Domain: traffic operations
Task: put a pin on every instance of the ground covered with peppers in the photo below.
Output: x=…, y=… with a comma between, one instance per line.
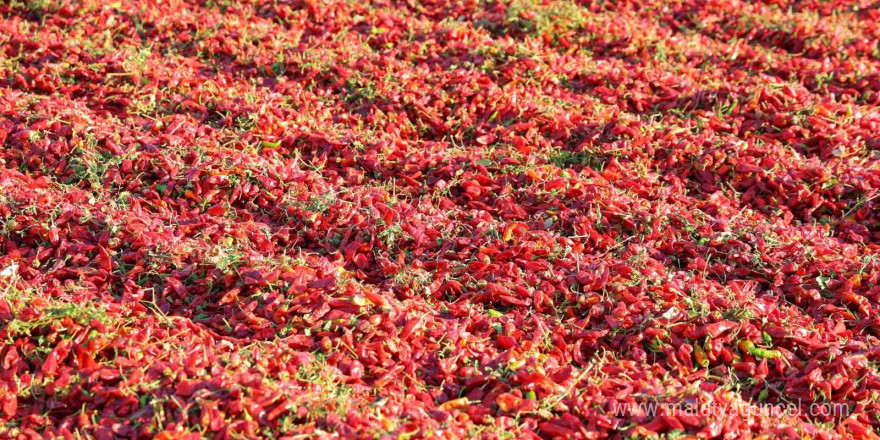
x=468, y=219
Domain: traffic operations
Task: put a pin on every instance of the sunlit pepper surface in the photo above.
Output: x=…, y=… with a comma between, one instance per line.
x=447, y=219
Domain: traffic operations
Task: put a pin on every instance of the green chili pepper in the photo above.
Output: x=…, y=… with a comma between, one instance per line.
x=749, y=347
x=767, y=338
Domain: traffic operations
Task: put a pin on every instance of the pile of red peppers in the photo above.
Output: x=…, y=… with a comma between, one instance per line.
x=555, y=219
